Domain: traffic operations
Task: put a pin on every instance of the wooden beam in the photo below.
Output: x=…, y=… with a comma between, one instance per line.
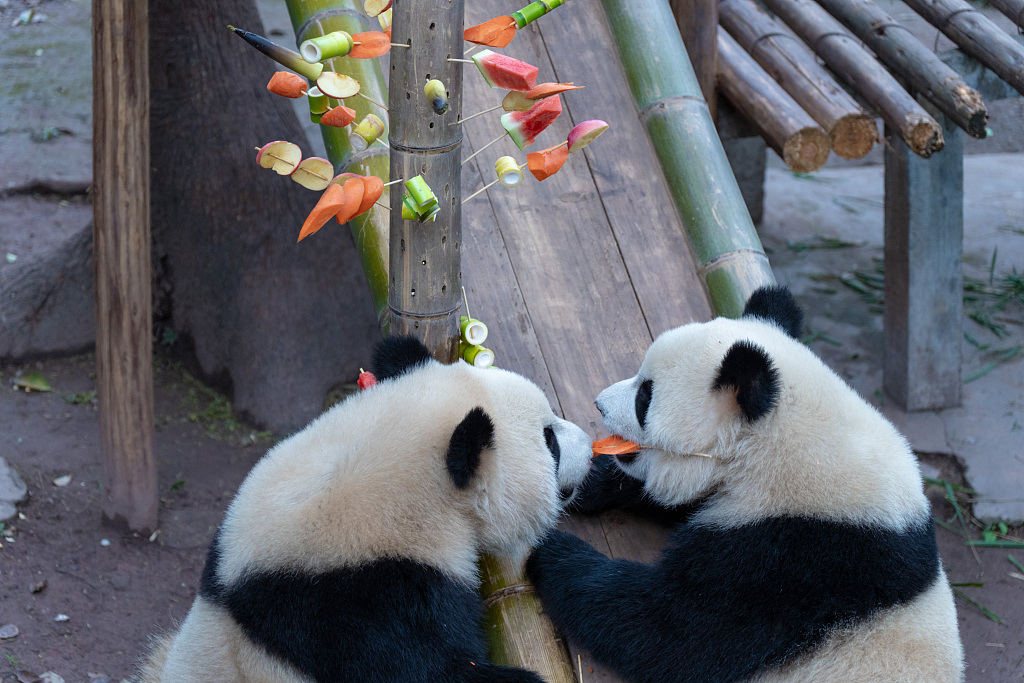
x=124, y=314
x=916, y=64
x=792, y=64
x=1013, y=9
x=977, y=36
x=787, y=128
x=697, y=20
x=846, y=58
x=976, y=75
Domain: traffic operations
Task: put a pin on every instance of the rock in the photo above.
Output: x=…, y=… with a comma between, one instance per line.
x=60, y=617
x=50, y=677
x=62, y=480
x=38, y=586
x=8, y=631
x=12, y=490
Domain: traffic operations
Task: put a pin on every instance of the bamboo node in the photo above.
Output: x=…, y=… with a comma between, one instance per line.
x=507, y=592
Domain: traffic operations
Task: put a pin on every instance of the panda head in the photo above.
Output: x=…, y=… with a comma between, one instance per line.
x=740, y=413
x=508, y=457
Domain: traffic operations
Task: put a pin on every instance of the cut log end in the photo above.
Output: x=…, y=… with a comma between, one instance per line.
x=923, y=135
x=854, y=135
x=975, y=112
x=807, y=150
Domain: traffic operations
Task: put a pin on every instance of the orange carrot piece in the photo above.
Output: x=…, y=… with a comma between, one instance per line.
x=497, y=32
x=353, y=198
x=371, y=44
x=287, y=84
x=339, y=117
x=331, y=201
x=545, y=163
x=373, y=188
x=615, y=445
x=548, y=89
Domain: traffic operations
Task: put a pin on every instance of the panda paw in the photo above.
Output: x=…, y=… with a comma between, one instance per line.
x=606, y=487
x=557, y=555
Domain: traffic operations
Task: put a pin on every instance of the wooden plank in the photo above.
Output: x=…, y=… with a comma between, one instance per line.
x=697, y=21
x=124, y=315
x=923, y=273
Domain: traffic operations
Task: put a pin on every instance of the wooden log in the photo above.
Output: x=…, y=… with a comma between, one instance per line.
x=792, y=64
x=787, y=128
x=1013, y=9
x=916, y=64
x=697, y=20
x=121, y=244
x=730, y=258
x=977, y=36
x=846, y=58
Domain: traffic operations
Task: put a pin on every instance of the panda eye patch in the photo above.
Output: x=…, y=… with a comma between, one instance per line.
x=552, y=441
x=643, y=401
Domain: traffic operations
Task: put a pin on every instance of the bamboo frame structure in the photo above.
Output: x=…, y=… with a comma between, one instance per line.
x=844, y=55
x=787, y=128
x=906, y=56
x=794, y=66
x=697, y=20
x=976, y=35
x=730, y=259
x=1011, y=9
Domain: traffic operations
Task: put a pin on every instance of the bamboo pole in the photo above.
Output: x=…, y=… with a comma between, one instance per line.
x=907, y=57
x=697, y=20
x=976, y=35
x=846, y=58
x=730, y=260
x=787, y=128
x=1012, y=9
x=792, y=64
x=124, y=312
x=314, y=18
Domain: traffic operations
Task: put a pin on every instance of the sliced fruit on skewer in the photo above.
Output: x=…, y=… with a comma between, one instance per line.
x=545, y=163
x=522, y=101
x=373, y=188
x=615, y=445
x=353, y=188
x=497, y=32
x=314, y=173
x=375, y=7
x=582, y=134
x=524, y=126
x=369, y=44
x=331, y=202
x=338, y=86
x=287, y=58
x=366, y=379
x=280, y=155
x=505, y=72
x=287, y=84
x=339, y=117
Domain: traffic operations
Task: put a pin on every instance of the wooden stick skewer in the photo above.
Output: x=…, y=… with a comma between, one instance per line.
x=479, y=113
x=394, y=181
x=490, y=184
x=370, y=99
x=465, y=61
x=483, y=148
x=305, y=170
x=466, y=301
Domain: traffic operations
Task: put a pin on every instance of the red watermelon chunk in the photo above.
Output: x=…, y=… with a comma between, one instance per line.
x=505, y=72
x=524, y=126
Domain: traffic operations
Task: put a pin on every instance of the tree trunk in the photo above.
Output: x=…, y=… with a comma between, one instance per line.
x=277, y=322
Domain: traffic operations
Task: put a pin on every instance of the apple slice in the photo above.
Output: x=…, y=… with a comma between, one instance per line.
x=339, y=117
x=522, y=101
x=369, y=45
x=545, y=163
x=517, y=101
x=375, y=7
x=338, y=86
x=314, y=173
x=331, y=201
x=584, y=133
x=287, y=84
x=280, y=155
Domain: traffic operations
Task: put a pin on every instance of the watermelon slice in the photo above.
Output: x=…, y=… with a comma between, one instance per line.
x=505, y=72
x=524, y=126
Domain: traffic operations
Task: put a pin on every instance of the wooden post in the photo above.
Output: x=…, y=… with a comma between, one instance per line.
x=1013, y=9
x=425, y=259
x=697, y=21
x=124, y=350
x=923, y=273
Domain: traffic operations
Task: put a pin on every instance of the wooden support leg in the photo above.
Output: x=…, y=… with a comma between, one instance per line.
x=923, y=272
x=124, y=351
x=698, y=26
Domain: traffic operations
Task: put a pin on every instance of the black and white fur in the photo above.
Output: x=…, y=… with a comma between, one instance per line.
x=350, y=552
x=810, y=555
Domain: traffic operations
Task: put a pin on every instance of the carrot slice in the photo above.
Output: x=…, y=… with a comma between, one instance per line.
x=373, y=188
x=370, y=44
x=287, y=84
x=615, y=445
x=353, y=198
x=331, y=201
x=339, y=117
x=545, y=163
x=548, y=89
x=497, y=32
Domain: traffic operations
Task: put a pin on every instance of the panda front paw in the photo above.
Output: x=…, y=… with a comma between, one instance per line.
x=606, y=488
x=557, y=558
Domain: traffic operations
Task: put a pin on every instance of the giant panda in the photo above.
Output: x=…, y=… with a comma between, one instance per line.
x=809, y=551
x=350, y=551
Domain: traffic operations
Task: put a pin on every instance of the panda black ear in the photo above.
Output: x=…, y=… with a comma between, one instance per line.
x=394, y=356
x=776, y=305
x=470, y=438
x=747, y=368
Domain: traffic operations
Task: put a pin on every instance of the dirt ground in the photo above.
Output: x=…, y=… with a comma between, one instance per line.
x=117, y=594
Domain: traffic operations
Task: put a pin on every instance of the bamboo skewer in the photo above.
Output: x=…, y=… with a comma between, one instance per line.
x=844, y=55
x=479, y=113
x=370, y=99
x=851, y=130
x=497, y=139
x=976, y=35
x=787, y=128
x=906, y=56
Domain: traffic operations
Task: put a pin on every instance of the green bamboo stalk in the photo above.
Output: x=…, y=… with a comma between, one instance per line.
x=730, y=259
x=314, y=18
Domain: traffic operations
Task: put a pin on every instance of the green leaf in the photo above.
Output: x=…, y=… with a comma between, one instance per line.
x=984, y=610
x=1014, y=562
x=33, y=381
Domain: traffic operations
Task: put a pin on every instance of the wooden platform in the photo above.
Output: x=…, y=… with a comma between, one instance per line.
x=575, y=276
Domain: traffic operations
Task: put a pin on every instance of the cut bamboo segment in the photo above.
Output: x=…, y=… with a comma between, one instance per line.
x=906, y=56
x=792, y=64
x=846, y=58
x=976, y=35
x=787, y=128
x=1013, y=9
